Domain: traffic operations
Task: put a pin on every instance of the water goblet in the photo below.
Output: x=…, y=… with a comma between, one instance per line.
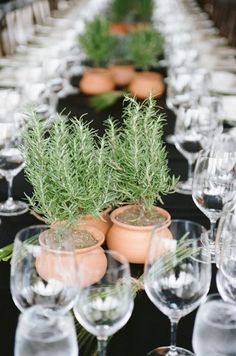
x=11, y=163
x=226, y=256
x=193, y=124
x=214, y=332
x=42, y=331
x=105, y=301
x=177, y=275
x=42, y=275
x=214, y=187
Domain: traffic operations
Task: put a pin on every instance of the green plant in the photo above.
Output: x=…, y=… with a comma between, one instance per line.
x=137, y=154
x=66, y=165
x=123, y=10
x=96, y=41
x=144, y=45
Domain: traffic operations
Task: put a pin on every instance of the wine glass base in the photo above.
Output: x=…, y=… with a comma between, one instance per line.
x=170, y=139
x=166, y=350
x=184, y=187
x=15, y=208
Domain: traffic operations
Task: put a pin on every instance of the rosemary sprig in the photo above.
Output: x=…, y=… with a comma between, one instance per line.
x=6, y=251
x=105, y=100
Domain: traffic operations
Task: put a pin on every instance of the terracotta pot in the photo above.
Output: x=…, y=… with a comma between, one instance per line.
x=133, y=241
x=96, y=81
x=145, y=83
x=50, y=258
x=102, y=223
x=122, y=74
x=121, y=28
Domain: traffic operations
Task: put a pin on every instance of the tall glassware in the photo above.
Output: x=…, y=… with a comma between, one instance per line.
x=177, y=275
x=40, y=275
x=105, y=301
x=193, y=124
x=214, y=187
x=214, y=331
x=226, y=256
x=44, y=332
x=11, y=163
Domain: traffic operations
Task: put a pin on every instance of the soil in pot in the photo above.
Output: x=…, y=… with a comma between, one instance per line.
x=138, y=217
x=63, y=240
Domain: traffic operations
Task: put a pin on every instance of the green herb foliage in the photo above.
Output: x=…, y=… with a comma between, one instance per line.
x=66, y=166
x=137, y=154
x=144, y=45
x=96, y=42
x=130, y=10
x=105, y=100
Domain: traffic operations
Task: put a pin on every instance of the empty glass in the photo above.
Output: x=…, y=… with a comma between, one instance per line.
x=214, y=187
x=105, y=301
x=11, y=163
x=214, y=331
x=226, y=256
x=43, y=332
x=177, y=275
x=42, y=275
x=193, y=124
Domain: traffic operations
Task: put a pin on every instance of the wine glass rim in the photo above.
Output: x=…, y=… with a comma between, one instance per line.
x=182, y=221
x=27, y=228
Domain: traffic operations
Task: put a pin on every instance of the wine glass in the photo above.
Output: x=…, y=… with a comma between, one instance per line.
x=226, y=256
x=214, y=332
x=42, y=275
x=177, y=275
x=44, y=331
x=11, y=163
x=105, y=301
x=214, y=187
x=193, y=124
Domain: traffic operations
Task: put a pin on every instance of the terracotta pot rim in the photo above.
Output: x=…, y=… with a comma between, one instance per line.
x=97, y=234
x=117, y=211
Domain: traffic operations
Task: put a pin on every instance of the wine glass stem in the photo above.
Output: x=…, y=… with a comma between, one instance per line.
x=190, y=170
x=212, y=231
x=9, y=191
x=102, y=346
x=173, y=332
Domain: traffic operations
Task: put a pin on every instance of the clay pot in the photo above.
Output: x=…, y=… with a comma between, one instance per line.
x=120, y=28
x=96, y=81
x=133, y=241
x=122, y=74
x=102, y=223
x=145, y=83
x=50, y=258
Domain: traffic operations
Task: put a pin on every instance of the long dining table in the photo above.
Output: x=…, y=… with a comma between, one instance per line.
x=147, y=327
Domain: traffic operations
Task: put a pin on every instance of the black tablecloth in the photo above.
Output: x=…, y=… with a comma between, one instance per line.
x=147, y=327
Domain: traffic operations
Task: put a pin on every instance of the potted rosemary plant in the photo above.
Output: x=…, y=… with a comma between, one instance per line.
x=141, y=176
x=66, y=166
x=144, y=45
x=97, y=43
x=126, y=15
